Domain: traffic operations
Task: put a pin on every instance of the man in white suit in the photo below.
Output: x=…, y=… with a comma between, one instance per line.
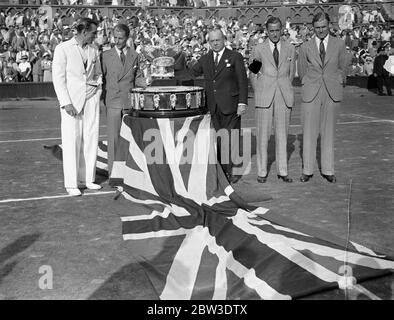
x=77, y=82
x=274, y=97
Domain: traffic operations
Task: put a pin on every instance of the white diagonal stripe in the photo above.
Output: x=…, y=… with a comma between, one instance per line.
x=155, y=234
x=199, y=167
x=169, y=148
x=183, y=272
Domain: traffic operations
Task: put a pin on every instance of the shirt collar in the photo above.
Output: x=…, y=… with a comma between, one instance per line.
x=272, y=45
x=325, y=41
x=124, y=50
x=221, y=52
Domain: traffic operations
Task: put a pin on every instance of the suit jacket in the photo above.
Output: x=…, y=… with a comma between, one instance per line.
x=228, y=85
x=271, y=79
x=314, y=74
x=378, y=64
x=118, y=79
x=69, y=75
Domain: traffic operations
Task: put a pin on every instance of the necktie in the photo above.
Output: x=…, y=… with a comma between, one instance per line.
x=216, y=59
x=322, y=51
x=122, y=57
x=276, y=54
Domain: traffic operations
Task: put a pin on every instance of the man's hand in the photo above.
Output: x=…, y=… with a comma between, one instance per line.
x=375, y=75
x=69, y=108
x=241, y=109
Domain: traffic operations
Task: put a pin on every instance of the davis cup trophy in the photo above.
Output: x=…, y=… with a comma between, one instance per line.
x=165, y=101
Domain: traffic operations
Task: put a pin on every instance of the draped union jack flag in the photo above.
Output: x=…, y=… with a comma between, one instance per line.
x=197, y=239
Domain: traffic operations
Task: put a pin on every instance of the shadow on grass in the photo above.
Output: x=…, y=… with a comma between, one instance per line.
x=128, y=283
x=13, y=249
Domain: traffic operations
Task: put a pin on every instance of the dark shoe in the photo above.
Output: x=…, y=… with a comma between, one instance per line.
x=285, y=178
x=381, y=94
x=262, y=179
x=330, y=178
x=305, y=177
x=234, y=179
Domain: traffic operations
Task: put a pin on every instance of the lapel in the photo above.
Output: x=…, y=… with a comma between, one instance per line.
x=114, y=62
x=77, y=53
x=315, y=50
x=283, y=52
x=129, y=59
x=222, y=63
x=268, y=53
x=90, y=57
x=211, y=63
x=330, y=49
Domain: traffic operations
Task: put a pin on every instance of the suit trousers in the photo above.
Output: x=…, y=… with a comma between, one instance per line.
x=382, y=80
x=114, y=122
x=79, y=143
x=319, y=115
x=278, y=113
x=228, y=130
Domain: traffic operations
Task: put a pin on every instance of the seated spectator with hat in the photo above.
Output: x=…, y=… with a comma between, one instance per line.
x=24, y=69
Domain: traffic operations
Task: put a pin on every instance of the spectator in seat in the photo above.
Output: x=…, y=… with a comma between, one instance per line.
x=37, y=71
x=368, y=66
x=46, y=66
x=24, y=69
x=355, y=69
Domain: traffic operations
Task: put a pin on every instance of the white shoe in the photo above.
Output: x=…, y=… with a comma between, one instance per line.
x=93, y=186
x=74, y=192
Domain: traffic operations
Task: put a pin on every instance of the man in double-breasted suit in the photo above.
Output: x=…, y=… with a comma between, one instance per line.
x=274, y=97
x=226, y=89
x=121, y=72
x=77, y=81
x=322, y=65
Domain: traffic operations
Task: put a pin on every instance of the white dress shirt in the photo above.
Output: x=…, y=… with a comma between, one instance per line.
x=220, y=54
x=325, y=42
x=272, y=46
x=124, y=51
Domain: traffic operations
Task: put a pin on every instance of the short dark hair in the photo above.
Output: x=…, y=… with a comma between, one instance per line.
x=123, y=27
x=84, y=24
x=273, y=20
x=320, y=16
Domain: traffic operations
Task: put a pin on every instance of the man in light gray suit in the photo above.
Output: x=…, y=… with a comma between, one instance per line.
x=322, y=65
x=121, y=72
x=274, y=97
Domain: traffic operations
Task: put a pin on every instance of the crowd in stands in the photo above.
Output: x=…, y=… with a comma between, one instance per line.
x=28, y=40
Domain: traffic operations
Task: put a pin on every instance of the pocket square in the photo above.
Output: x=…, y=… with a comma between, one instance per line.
x=255, y=66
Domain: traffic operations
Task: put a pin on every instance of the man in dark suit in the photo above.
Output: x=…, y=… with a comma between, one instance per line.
x=322, y=66
x=121, y=71
x=226, y=88
x=380, y=73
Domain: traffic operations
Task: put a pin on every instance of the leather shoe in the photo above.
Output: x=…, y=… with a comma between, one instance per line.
x=74, y=192
x=261, y=179
x=234, y=179
x=285, y=178
x=91, y=186
x=305, y=177
x=330, y=178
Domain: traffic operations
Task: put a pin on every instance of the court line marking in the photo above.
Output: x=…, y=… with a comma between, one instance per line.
x=33, y=130
x=54, y=197
x=339, y=123
x=254, y=127
x=39, y=139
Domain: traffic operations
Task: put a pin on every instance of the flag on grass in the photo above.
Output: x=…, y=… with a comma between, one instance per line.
x=197, y=239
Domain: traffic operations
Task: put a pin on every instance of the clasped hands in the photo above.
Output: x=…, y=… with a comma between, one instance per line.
x=69, y=108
